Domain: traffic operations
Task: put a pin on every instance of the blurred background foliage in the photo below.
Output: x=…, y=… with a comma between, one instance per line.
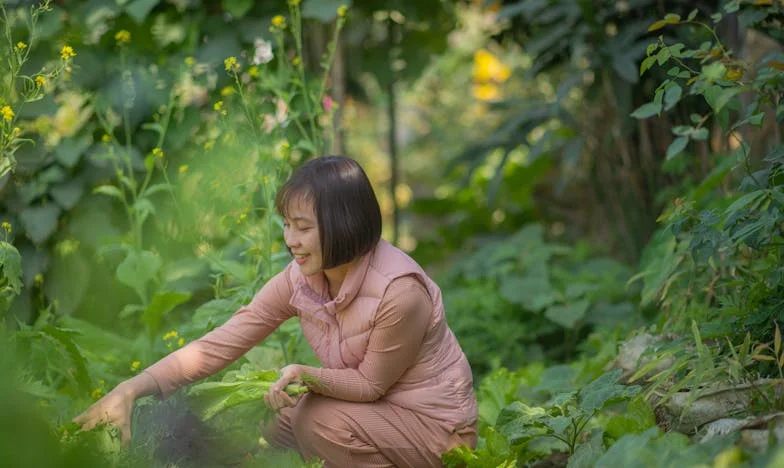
x=594, y=185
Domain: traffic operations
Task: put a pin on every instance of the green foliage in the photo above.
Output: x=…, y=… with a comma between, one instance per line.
x=536, y=296
x=239, y=387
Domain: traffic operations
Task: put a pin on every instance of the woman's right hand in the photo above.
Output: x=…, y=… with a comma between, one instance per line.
x=115, y=408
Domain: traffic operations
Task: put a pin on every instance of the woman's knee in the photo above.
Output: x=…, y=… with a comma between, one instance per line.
x=318, y=419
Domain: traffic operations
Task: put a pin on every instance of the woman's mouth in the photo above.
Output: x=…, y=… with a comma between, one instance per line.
x=300, y=259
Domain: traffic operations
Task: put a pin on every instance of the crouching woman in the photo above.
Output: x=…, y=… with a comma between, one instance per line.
x=394, y=388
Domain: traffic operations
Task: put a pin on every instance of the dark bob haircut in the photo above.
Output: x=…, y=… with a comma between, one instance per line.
x=349, y=219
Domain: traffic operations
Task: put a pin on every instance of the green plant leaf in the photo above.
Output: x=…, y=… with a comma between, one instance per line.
x=586, y=455
x=161, y=304
x=139, y=9
x=677, y=146
x=67, y=194
x=237, y=8
x=715, y=71
x=647, y=110
x=567, y=315
x=671, y=96
x=40, y=221
x=10, y=267
x=137, y=269
x=109, y=190
x=605, y=390
x=637, y=418
x=322, y=10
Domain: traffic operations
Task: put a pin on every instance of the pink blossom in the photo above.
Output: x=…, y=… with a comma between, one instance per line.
x=327, y=102
x=263, y=52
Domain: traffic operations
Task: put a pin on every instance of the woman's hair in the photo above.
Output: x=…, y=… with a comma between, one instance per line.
x=349, y=219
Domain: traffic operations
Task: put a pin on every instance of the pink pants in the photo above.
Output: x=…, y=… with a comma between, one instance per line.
x=346, y=434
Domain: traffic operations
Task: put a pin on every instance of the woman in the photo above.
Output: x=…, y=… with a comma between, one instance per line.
x=394, y=388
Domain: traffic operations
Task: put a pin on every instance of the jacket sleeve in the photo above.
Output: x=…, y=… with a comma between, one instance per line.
x=394, y=344
x=222, y=346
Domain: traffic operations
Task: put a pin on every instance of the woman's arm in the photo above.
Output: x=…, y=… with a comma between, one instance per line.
x=401, y=323
x=227, y=343
x=205, y=356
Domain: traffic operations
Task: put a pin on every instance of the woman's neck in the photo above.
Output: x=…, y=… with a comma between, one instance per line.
x=335, y=277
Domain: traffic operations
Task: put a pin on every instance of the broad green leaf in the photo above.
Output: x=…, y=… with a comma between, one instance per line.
x=743, y=201
x=637, y=418
x=605, y=389
x=692, y=15
x=70, y=150
x=161, y=304
x=700, y=134
x=137, y=269
x=715, y=71
x=80, y=372
x=672, y=18
x=139, y=9
x=322, y=10
x=567, y=315
x=10, y=268
x=586, y=455
x=558, y=424
x=628, y=450
x=677, y=146
x=663, y=56
x=647, y=110
x=237, y=8
x=533, y=292
x=671, y=96
x=68, y=194
x=646, y=63
x=657, y=25
x=40, y=221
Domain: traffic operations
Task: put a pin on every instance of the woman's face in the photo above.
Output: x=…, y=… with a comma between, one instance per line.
x=301, y=233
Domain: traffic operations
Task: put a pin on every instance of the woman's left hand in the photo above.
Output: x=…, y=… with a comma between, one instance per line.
x=277, y=398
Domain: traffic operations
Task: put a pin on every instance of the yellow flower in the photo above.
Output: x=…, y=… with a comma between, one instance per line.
x=170, y=335
x=135, y=366
x=296, y=60
x=39, y=279
x=734, y=74
x=485, y=92
x=181, y=342
x=122, y=37
x=7, y=226
x=106, y=138
x=294, y=2
x=157, y=152
x=227, y=90
x=40, y=81
x=279, y=21
x=96, y=394
x=190, y=61
x=20, y=46
x=342, y=10
x=218, y=105
x=8, y=113
x=183, y=168
x=231, y=64
x=67, y=52
x=488, y=68
x=253, y=71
